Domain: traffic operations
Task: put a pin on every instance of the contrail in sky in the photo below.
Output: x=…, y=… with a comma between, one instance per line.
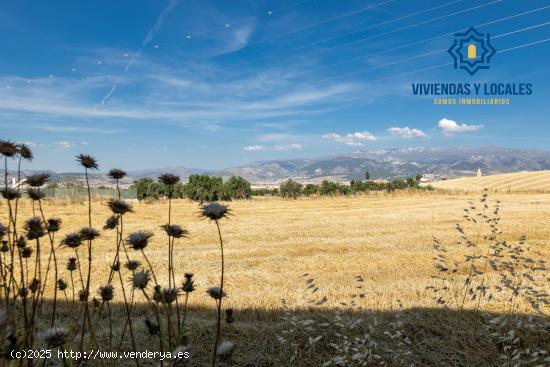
x=148, y=38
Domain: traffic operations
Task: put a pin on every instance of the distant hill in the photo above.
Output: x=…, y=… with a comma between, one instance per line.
x=384, y=163
x=402, y=162
x=512, y=182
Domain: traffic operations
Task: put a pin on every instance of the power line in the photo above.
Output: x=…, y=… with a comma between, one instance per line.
x=524, y=45
x=451, y=63
x=430, y=53
x=318, y=23
x=351, y=32
x=362, y=57
x=521, y=30
x=408, y=27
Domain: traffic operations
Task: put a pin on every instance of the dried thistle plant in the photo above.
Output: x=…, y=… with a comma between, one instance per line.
x=215, y=212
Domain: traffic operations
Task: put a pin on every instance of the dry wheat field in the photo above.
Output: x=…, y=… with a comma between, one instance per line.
x=506, y=182
x=295, y=269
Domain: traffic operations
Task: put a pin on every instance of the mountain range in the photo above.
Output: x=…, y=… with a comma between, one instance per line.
x=439, y=163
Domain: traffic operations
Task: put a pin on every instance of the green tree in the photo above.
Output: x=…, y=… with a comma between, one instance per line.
x=310, y=189
x=333, y=188
x=358, y=186
x=203, y=188
x=236, y=187
x=397, y=184
x=290, y=189
x=418, y=177
x=142, y=187
x=367, y=175
x=412, y=183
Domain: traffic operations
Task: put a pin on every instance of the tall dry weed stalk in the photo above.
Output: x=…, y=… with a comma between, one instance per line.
x=495, y=274
x=26, y=284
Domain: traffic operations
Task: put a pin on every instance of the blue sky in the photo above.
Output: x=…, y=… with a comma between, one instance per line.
x=212, y=84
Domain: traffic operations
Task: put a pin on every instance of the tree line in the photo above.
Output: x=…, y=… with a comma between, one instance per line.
x=198, y=188
x=210, y=188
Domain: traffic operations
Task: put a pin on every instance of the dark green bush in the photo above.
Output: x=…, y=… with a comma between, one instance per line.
x=236, y=187
x=290, y=189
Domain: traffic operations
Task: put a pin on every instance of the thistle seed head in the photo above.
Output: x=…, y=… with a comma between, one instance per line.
x=61, y=284
x=72, y=240
x=215, y=293
x=117, y=174
x=35, y=194
x=119, y=206
x=21, y=242
x=37, y=180
x=214, y=211
x=34, y=285
x=169, y=295
x=10, y=193
x=87, y=161
x=7, y=148
x=71, y=264
x=115, y=266
x=173, y=230
x=132, y=265
x=189, y=284
x=88, y=233
x=56, y=337
x=106, y=292
x=26, y=252
x=83, y=295
x=34, y=228
x=139, y=240
x=225, y=350
x=25, y=152
x=157, y=294
x=141, y=279
x=111, y=222
x=54, y=224
x=23, y=292
x=169, y=179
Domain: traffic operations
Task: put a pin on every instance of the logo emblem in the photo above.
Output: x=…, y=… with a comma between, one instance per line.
x=472, y=51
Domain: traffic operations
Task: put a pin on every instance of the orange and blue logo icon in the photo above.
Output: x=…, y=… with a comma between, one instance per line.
x=472, y=51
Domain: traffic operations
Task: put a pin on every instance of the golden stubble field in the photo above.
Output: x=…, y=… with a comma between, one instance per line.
x=538, y=181
x=270, y=243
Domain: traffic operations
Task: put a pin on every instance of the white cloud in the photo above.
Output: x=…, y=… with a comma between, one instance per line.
x=65, y=97
x=450, y=127
x=275, y=148
x=241, y=37
x=63, y=144
x=407, y=132
x=288, y=147
x=253, y=148
x=353, y=139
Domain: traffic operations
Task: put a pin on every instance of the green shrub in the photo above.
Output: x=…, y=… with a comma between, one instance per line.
x=330, y=188
x=310, y=189
x=203, y=188
x=290, y=189
x=236, y=187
